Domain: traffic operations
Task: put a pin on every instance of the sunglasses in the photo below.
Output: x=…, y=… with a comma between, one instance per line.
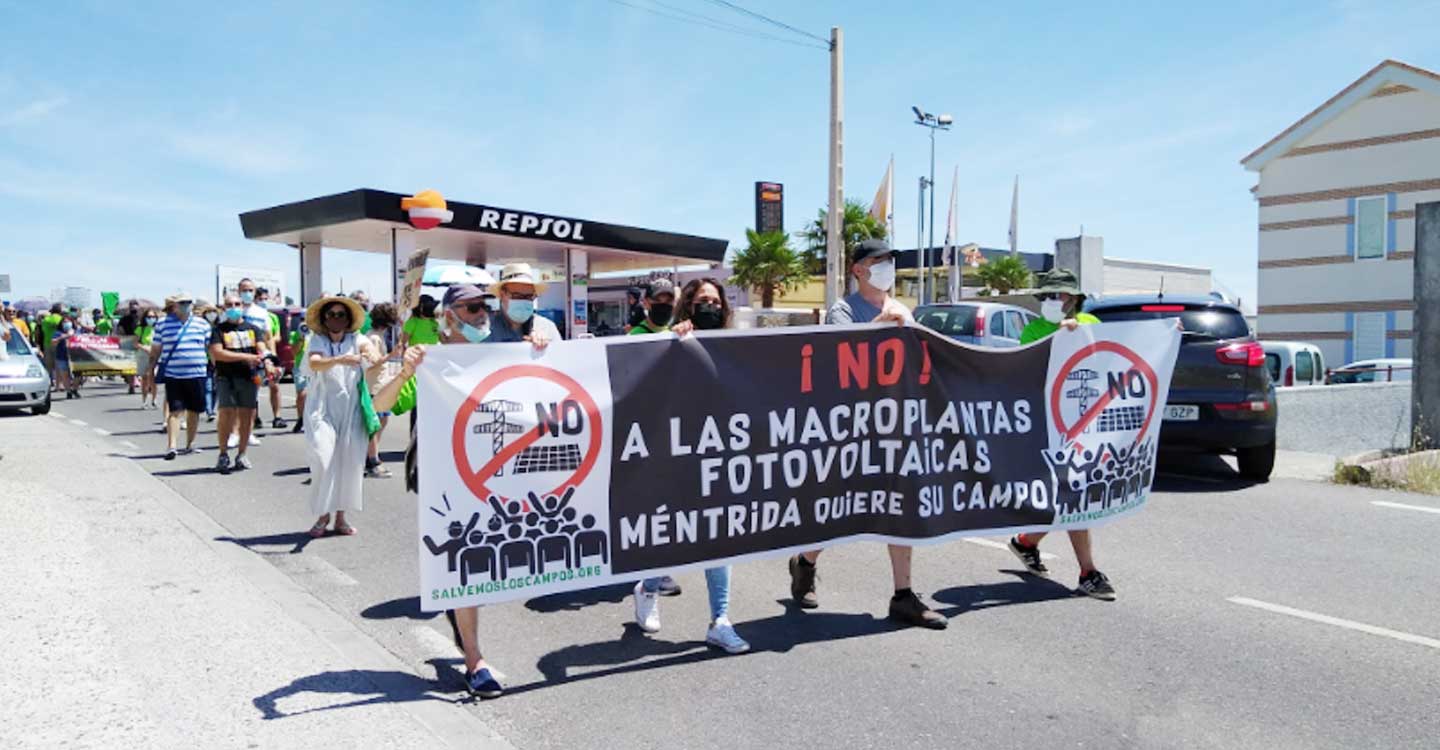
x=473, y=308
x=235, y=304
x=1048, y=296
x=522, y=296
x=337, y=315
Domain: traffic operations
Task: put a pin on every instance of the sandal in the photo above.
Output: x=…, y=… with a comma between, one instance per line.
x=318, y=530
x=345, y=530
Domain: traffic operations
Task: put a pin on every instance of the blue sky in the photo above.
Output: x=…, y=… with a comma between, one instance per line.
x=131, y=135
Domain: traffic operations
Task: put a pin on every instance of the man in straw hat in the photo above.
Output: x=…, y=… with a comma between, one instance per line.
x=517, y=321
x=179, y=357
x=1061, y=303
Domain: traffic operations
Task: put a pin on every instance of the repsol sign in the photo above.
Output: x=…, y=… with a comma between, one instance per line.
x=531, y=225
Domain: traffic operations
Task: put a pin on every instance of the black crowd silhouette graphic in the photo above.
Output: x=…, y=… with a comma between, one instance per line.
x=1095, y=480
x=519, y=541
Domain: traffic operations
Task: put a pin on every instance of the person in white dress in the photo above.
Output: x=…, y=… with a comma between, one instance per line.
x=336, y=357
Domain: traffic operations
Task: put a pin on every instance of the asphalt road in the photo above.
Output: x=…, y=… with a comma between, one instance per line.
x=1286, y=615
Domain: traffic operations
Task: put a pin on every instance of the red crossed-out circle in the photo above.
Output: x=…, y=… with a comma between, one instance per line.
x=1069, y=432
x=476, y=480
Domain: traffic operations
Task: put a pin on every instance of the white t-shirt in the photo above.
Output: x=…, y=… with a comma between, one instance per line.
x=259, y=317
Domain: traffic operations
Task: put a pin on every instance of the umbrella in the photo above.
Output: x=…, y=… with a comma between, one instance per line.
x=450, y=275
x=33, y=305
x=144, y=303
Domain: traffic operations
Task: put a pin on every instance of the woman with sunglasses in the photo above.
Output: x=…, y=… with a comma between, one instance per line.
x=702, y=307
x=336, y=359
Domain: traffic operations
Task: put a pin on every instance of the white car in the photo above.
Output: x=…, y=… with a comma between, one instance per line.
x=1294, y=363
x=1391, y=370
x=975, y=322
x=24, y=381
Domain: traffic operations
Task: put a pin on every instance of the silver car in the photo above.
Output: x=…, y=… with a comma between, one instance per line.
x=24, y=381
x=978, y=323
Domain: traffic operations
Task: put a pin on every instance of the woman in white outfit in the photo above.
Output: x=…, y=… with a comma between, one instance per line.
x=336, y=357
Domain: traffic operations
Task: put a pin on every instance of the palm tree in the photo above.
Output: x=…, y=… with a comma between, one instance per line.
x=857, y=227
x=1005, y=274
x=769, y=264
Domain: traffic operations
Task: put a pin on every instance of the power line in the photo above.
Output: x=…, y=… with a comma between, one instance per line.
x=710, y=23
x=771, y=21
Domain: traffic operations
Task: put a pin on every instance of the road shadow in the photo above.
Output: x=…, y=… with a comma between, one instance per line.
x=381, y=686
x=1180, y=471
x=395, y=609
x=297, y=539
x=571, y=601
x=186, y=472
x=291, y=472
x=1026, y=589
x=392, y=457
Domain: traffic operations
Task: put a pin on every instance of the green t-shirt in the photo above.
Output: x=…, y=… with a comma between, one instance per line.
x=146, y=333
x=48, y=326
x=365, y=326
x=1039, y=328
x=406, y=400
x=103, y=327
x=422, y=331
x=645, y=326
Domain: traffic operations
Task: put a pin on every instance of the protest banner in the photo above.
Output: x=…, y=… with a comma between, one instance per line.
x=414, y=279
x=607, y=460
x=102, y=355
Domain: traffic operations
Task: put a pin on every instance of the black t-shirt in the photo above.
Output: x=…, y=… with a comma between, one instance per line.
x=239, y=337
x=127, y=324
x=637, y=315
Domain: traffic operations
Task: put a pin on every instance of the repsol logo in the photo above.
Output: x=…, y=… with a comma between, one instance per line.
x=529, y=224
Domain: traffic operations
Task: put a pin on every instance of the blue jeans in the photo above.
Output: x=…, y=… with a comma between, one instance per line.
x=717, y=581
x=210, y=395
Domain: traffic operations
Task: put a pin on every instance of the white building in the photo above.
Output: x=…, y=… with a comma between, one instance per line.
x=1337, y=195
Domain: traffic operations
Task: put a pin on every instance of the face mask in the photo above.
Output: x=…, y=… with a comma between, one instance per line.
x=212, y=316
x=150, y=321
x=882, y=275
x=708, y=316
x=1052, y=310
x=66, y=327
x=264, y=304
x=247, y=297
x=520, y=310
x=184, y=309
x=234, y=314
x=660, y=313
x=473, y=334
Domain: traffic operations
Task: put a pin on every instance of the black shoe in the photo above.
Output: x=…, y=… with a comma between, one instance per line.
x=483, y=684
x=222, y=464
x=299, y=426
x=909, y=609
x=669, y=587
x=1096, y=585
x=259, y=424
x=279, y=424
x=1030, y=556
x=802, y=583
x=170, y=455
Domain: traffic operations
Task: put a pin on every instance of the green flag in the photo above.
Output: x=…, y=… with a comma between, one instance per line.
x=109, y=301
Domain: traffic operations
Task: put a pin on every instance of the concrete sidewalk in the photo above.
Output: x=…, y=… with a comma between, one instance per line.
x=126, y=624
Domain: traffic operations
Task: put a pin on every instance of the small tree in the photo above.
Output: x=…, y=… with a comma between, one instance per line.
x=769, y=264
x=1005, y=274
x=857, y=226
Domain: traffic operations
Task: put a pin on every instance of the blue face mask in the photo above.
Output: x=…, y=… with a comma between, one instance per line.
x=66, y=327
x=247, y=297
x=234, y=314
x=520, y=310
x=475, y=335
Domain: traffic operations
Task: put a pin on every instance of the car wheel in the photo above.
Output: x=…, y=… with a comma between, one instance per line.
x=1257, y=463
x=42, y=409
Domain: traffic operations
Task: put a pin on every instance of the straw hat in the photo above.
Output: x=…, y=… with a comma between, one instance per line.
x=312, y=313
x=516, y=273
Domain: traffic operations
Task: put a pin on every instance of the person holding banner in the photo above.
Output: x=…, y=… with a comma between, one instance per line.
x=466, y=320
x=1060, y=307
x=702, y=307
x=872, y=263
x=517, y=321
x=335, y=427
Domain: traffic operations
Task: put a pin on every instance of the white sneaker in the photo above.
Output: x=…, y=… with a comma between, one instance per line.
x=254, y=439
x=233, y=442
x=647, y=609
x=722, y=635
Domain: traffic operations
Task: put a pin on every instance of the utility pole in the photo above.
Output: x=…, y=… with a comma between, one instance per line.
x=934, y=123
x=835, y=218
x=920, y=240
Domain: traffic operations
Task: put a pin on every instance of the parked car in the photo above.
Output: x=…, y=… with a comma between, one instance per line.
x=1294, y=363
x=24, y=381
x=979, y=323
x=1391, y=370
x=1221, y=396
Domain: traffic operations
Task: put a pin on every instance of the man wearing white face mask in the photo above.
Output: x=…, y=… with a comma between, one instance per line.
x=1060, y=307
x=517, y=321
x=873, y=265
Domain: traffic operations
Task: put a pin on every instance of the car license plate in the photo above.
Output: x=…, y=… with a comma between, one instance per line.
x=1179, y=413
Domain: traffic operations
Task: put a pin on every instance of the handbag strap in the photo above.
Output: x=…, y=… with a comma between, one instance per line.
x=178, y=338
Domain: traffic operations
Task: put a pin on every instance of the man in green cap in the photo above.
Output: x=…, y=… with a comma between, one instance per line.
x=1060, y=307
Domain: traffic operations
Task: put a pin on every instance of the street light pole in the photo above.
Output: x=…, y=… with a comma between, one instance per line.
x=835, y=260
x=920, y=232
x=934, y=122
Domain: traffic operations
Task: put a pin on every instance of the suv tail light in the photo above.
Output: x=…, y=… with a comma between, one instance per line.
x=979, y=323
x=1250, y=354
x=1289, y=376
x=1243, y=406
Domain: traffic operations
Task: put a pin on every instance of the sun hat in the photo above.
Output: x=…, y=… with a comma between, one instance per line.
x=312, y=313
x=516, y=273
x=1057, y=281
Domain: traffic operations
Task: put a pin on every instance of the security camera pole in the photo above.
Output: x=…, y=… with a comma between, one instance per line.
x=935, y=123
x=835, y=218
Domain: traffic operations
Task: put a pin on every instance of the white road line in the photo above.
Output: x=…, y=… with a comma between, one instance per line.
x=101, y=431
x=1403, y=506
x=78, y=422
x=1336, y=621
x=130, y=445
x=1002, y=546
x=58, y=415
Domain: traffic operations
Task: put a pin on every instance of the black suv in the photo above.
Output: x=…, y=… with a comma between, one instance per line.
x=1221, y=396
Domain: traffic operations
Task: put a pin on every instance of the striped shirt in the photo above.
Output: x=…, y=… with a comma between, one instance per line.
x=259, y=317
x=184, y=358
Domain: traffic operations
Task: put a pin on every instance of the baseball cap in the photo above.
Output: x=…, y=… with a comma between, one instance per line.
x=462, y=293
x=870, y=249
x=659, y=287
x=184, y=298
